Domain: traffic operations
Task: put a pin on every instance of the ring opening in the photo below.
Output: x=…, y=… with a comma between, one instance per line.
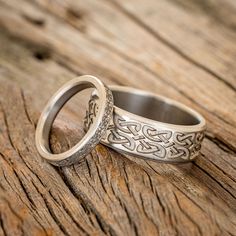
x=59, y=105
x=152, y=107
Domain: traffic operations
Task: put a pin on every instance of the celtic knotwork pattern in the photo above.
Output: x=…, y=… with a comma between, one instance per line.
x=148, y=140
x=91, y=112
x=125, y=140
x=145, y=140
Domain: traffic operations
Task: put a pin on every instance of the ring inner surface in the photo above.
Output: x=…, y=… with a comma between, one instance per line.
x=153, y=108
x=58, y=105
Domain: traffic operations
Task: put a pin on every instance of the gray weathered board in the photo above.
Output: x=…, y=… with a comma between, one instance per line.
x=183, y=49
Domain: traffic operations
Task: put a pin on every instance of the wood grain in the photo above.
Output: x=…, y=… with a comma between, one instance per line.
x=181, y=49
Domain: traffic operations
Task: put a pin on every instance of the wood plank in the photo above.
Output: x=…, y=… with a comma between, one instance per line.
x=107, y=193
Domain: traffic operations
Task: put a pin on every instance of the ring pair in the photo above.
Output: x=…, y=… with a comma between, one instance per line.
x=128, y=120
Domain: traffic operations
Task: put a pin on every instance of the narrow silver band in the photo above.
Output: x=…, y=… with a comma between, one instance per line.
x=153, y=127
x=98, y=126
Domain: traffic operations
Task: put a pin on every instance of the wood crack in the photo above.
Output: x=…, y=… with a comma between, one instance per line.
x=220, y=144
x=160, y=203
x=16, y=215
x=88, y=206
x=184, y=193
x=25, y=108
x=13, y=188
x=210, y=8
x=132, y=223
x=145, y=211
x=215, y=180
x=6, y=124
x=27, y=193
x=189, y=217
x=61, y=203
x=2, y=225
x=221, y=169
x=51, y=212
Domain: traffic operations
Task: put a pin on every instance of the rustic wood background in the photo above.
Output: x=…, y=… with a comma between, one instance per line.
x=183, y=49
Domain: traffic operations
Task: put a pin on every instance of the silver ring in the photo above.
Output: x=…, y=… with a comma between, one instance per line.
x=153, y=127
x=99, y=124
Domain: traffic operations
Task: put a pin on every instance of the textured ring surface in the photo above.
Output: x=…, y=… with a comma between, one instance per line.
x=98, y=124
x=153, y=127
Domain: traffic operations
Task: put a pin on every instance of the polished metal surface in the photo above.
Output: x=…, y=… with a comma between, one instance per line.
x=98, y=124
x=153, y=127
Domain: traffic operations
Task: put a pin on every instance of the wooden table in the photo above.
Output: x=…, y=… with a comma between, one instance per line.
x=185, y=50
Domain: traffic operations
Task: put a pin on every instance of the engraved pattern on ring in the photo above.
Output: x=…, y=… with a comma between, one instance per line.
x=145, y=140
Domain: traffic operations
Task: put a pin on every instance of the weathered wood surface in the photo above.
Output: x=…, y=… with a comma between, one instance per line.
x=185, y=50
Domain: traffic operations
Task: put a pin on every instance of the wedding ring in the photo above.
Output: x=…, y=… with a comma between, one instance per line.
x=98, y=125
x=153, y=127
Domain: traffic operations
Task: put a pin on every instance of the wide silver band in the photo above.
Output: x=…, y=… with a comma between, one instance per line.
x=99, y=124
x=153, y=127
